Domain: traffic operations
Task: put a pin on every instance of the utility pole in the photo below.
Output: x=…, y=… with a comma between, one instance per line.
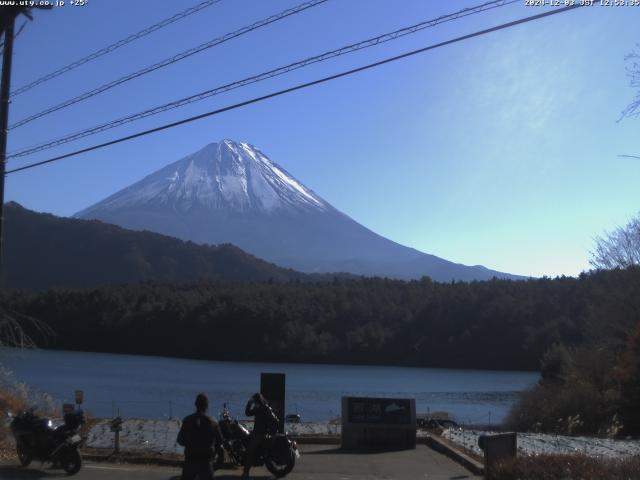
x=7, y=22
x=5, y=89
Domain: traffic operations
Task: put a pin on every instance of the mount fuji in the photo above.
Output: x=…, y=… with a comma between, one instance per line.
x=231, y=192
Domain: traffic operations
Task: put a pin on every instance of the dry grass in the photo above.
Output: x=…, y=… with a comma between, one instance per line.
x=16, y=397
x=568, y=467
x=10, y=402
x=7, y=449
x=13, y=404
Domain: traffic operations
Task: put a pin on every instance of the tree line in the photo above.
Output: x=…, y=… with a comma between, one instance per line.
x=498, y=324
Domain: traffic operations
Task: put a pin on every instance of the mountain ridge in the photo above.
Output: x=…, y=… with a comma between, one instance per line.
x=45, y=251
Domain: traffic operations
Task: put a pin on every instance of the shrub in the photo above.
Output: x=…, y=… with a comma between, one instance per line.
x=577, y=394
x=570, y=408
x=567, y=467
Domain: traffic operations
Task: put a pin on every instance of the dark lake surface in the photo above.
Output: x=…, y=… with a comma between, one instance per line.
x=156, y=387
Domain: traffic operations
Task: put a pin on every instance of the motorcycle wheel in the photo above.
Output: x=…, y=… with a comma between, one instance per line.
x=237, y=453
x=71, y=461
x=24, y=455
x=278, y=470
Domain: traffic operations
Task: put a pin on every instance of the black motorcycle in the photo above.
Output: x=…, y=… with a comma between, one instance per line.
x=36, y=439
x=278, y=452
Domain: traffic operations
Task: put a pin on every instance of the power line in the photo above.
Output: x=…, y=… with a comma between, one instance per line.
x=263, y=76
x=24, y=24
x=298, y=87
x=116, y=45
x=169, y=61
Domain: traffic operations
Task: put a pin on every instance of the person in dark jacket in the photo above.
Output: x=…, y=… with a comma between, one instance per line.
x=265, y=420
x=199, y=435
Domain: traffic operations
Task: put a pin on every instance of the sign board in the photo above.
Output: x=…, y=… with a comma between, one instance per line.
x=379, y=410
x=272, y=387
x=116, y=424
x=378, y=423
x=79, y=397
x=67, y=408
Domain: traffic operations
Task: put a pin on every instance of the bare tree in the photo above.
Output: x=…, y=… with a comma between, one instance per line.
x=12, y=329
x=633, y=72
x=619, y=248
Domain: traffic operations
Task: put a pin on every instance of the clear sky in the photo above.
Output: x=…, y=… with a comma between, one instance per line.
x=501, y=150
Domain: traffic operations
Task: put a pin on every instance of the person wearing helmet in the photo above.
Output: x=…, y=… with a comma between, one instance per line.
x=199, y=435
x=265, y=421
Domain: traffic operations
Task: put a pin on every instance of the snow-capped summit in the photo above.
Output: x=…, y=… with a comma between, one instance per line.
x=226, y=175
x=231, y=192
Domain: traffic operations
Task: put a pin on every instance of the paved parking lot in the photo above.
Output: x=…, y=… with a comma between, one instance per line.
x=318, y=462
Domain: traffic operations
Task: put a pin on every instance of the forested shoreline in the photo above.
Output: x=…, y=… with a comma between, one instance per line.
x=498, y=324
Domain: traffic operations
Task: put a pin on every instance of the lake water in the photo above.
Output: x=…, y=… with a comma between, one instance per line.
x=156, y=387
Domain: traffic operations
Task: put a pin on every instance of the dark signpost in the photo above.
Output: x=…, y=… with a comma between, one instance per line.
x=116, y=427
x=272, y=387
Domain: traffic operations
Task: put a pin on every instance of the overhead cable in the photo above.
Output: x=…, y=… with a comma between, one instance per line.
x=297, y=87
x=115, y=46
x=262, y=76
x=169, y=61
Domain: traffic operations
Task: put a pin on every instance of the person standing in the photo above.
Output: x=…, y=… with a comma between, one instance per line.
x=199, y=435
x=265, y=421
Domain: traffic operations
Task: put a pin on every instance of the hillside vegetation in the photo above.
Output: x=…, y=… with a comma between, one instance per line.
x=43, y=251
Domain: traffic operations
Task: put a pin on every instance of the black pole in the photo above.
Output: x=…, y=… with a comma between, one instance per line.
x=5, y=87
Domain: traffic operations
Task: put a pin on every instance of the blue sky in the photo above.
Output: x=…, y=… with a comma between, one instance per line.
x=501, y=150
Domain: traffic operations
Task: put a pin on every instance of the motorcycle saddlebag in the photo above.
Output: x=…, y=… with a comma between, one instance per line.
x=74, y=420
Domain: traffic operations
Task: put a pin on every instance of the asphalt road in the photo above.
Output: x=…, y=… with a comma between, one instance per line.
x=318, y=462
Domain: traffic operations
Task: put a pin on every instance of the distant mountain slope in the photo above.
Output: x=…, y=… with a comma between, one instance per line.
x=42, y=250
x=230, y=192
